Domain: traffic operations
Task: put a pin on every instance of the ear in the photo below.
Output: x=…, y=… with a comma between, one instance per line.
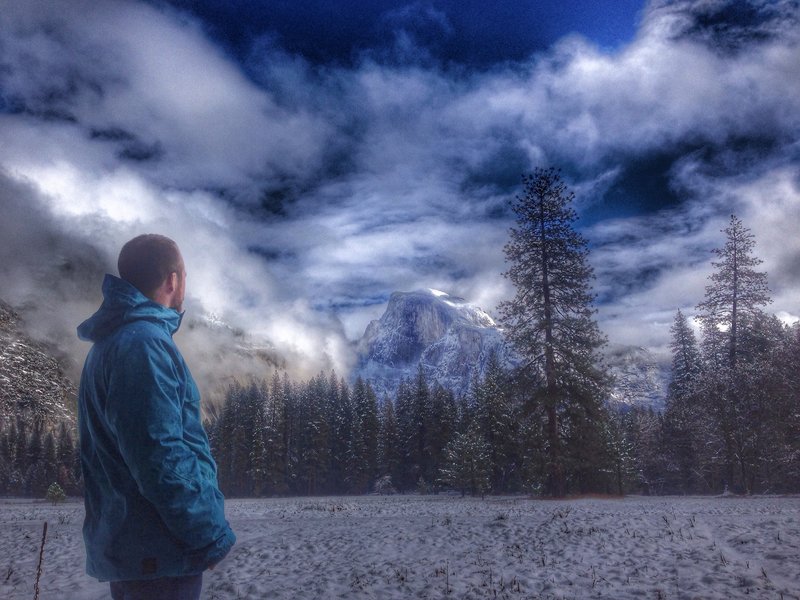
x=172, y=282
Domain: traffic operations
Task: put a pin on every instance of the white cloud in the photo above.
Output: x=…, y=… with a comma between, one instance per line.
x=393, y=177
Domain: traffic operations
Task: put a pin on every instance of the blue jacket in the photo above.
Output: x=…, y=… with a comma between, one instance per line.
x=153, y=506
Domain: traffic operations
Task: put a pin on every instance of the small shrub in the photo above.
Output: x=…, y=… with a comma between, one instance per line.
x=55, y=494
x=384, y=486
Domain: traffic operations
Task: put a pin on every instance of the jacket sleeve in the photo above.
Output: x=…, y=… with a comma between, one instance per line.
x=145, y=411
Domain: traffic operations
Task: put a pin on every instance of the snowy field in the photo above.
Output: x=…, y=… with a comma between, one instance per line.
x=449, y=547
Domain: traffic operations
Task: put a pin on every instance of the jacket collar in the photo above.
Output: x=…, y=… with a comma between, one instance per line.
x=123, y=303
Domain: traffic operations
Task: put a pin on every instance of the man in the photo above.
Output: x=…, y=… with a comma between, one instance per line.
x=154, y=513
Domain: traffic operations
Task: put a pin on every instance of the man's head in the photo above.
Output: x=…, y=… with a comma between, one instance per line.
x=153, y=264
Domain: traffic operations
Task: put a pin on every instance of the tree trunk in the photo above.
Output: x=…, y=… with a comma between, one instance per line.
x=556, y=475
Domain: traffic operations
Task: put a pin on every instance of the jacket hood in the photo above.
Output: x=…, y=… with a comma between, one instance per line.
x=123, y=303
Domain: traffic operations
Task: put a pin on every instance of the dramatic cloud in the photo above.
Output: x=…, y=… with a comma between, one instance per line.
x=304, y=193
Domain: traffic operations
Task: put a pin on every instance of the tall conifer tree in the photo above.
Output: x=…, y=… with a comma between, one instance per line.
x=683, y=418
x=550, y=321
x=732, y=306
x=737, y=291
x=389, y=450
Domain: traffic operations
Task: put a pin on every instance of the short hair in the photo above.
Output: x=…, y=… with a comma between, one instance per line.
x=147, y=260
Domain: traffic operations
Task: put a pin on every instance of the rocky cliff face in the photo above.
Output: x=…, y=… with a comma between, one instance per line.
x=640, y=380
x=32, y=382
x=451, y=338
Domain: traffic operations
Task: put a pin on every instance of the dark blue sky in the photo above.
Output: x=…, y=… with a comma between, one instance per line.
x=465, y=36
x=471, y=33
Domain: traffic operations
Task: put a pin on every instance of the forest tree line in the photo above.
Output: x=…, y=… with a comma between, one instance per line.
x=324, y=436
x=34, y=456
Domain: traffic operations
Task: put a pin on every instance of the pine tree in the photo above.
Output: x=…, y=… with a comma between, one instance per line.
x=420, y=426
x=276, y=439
x=341, y=433
x=258, y=400
x=19, y=433
x=295, y=422
x=737, y=290
x=65, y=452
x=643, y=432
x=44, y=471
x=497, y=418
x=621, y=452
x=370, y=429
x=754, y=430
x=55, y=493
x=33, y=473
x=315, y=453
x=408, y=430
x=550, y=320
x=686, y=359
x=684, y=418
x=782, y=415
x=232, y=442
x=467, y=465
x=389, y=455
x=729, y=312
x=363, y=443
x=441, y=421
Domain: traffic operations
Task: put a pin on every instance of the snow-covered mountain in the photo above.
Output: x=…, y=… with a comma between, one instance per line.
x=32, y=381
x=453, y=339
x=640, y=380
x=449, y=336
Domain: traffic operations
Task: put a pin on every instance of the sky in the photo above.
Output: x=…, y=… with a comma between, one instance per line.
x=312, y=158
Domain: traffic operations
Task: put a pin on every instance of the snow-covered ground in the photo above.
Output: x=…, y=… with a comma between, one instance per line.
x=449, y=547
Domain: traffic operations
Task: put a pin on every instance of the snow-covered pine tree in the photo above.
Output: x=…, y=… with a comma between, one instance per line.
x=441, y=422
x=684, y=417
x=686, y=359
x=258, y=471
x=422, y=423
x=341, y=418
x=371, y=426
x=737, y=290
x=755, y=430
x=732, y=305
x=276, y=438
x=497, y=417
x=316, y=439
x=232, y=443
x=364, y=440
x=781, y=467
x=550, y=320
x=292, y=432
x=388, y=443
x=643, y=431
x=467, y=466
x=408, y=431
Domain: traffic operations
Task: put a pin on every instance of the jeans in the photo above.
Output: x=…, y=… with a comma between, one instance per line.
x=166, y=588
